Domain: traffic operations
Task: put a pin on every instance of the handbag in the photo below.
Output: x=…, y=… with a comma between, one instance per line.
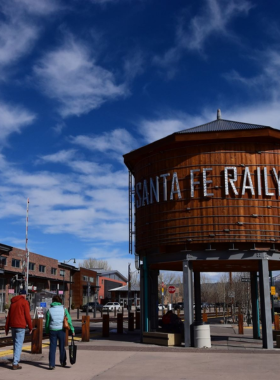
x=72, y=351
x=65, y=322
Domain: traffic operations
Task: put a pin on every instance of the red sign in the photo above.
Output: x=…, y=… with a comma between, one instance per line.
x=171, y=289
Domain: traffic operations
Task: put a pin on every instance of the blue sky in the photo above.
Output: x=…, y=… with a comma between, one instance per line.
x=83, y=82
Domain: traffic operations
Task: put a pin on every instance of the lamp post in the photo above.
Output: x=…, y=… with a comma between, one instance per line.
x=65, y=262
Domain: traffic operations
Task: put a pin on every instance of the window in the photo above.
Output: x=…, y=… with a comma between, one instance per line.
x=85, y=278
x=15, y=263
x=53, y=270
x=53, y=287
x=31, y=266
x=42, y=268
x=3, y=261
x=91, y=279
x=62, y=272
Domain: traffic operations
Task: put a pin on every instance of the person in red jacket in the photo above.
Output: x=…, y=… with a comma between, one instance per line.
x=18, y=317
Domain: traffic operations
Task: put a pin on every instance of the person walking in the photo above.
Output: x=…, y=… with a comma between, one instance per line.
x=54, y=327
x=17, y=319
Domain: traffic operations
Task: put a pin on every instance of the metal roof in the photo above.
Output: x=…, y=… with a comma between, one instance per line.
x=223, y=125
x=134, y=288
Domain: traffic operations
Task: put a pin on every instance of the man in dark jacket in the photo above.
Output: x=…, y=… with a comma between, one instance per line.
x=18, y=317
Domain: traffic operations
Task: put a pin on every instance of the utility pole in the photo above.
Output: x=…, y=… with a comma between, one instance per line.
x=26, y=266
x=128, y=289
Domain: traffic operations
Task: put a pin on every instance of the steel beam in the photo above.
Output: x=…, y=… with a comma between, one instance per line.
x=265, y=304
x=255, y=305
x=197, y=297
x=188, y=301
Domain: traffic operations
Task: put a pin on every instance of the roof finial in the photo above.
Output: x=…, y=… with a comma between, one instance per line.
x=219, y=114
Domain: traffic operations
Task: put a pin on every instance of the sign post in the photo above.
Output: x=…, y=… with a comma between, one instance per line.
x=162, y=295
x=171, y=290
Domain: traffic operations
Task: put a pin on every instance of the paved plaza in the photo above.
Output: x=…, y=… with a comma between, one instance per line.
x=232, y=356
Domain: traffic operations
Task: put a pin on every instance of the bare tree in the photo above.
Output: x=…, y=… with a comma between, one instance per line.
x=170, y=278
x=94, y=263
x=207, y=290
x=135, y=278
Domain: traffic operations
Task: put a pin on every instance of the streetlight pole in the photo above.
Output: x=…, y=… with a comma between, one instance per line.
x=65, y=262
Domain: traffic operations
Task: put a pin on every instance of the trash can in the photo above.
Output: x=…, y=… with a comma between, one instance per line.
x=202, y=336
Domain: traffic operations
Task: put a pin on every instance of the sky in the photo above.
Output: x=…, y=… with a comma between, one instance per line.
x=83, y=82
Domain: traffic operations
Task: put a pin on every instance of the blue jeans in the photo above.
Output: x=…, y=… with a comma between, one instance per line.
x=18, y=338
x=54, y=336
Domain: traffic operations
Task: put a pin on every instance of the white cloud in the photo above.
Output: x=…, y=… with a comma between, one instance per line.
x=155, y=129
x=262, y=113
x=118, y=140
x=16, y=39
x=267, y=81
x=13, y=119
x=117, y=258
x=19, y=28
x=71, y=76
x=41, y=8
x=213, y=18
x=90, y=203
x=63, y=156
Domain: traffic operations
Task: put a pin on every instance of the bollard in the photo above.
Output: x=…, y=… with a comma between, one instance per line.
x=101, y=313
x=240, y=324
x=85, y=328
x=66, y=338
x=120, y=323
x=37, y=336
x=276, y=322
x=78, y=310
x=204, y=317
x=130, y=321
x=115, y=312
x=105, y=327
x=138, y=318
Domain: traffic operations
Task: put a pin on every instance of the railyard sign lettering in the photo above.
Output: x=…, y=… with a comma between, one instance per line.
x=148, y=191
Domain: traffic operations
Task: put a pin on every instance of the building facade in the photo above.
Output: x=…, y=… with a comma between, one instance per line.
x=45, y=274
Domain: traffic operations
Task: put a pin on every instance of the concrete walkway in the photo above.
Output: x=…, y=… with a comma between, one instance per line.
x=123, y=357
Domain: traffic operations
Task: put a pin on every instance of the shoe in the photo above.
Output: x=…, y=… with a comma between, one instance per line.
x=63, y=364
x=50, y=367
x=16, y=367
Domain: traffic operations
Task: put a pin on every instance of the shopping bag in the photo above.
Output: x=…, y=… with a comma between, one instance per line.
x=72, y=351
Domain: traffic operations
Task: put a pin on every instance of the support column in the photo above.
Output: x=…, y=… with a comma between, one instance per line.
x=188, y=301
x=153, y=300
x=265, y=304
x=197, y=297
x=255, y=305
x=141, y=302
x=145, y=295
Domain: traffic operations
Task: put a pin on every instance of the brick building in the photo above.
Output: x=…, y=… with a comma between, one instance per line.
x=84, y=286
x=45, y=274
x=107, y=280
x=74, y=285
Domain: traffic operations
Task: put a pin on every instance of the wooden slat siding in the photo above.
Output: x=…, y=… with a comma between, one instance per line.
x=168, y=222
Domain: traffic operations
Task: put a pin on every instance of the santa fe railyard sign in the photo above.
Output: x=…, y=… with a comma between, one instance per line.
x=148, y=191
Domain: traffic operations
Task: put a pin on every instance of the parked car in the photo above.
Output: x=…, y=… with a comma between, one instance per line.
x=178, y=305
x=111, y=306
x=204, y=305
x=161, y=307
x=91, y=306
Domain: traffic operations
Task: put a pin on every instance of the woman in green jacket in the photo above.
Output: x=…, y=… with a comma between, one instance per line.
x=54, y=326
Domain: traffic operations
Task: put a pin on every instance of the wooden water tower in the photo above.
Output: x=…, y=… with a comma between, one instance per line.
x=207, y=200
